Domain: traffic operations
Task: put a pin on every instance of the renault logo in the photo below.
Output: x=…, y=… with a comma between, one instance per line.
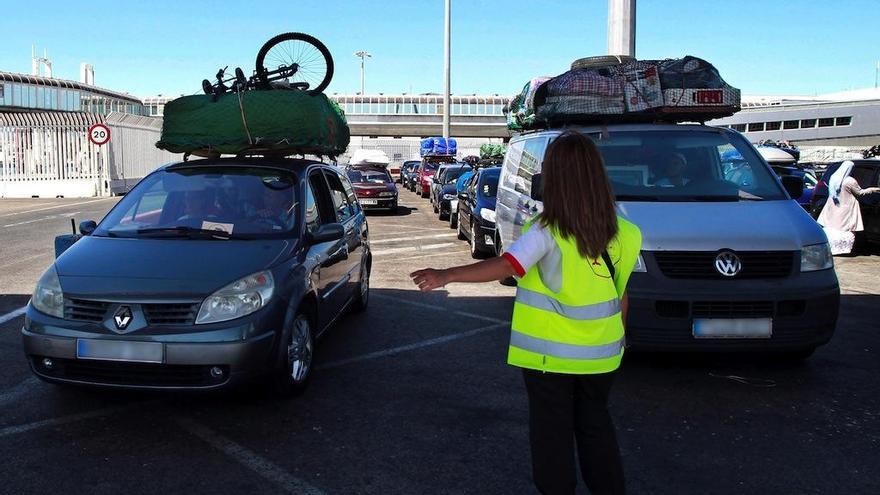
x=728, y=264
x=122, y=317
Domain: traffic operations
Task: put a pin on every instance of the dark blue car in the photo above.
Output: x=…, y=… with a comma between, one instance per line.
x=208, y=273
x=476, y=212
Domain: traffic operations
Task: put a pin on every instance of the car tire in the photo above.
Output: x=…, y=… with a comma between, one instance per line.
x=476, y=252
x=461, y=234
x=436, y=209
x=453, y=220
x=362, y=298
x=296, y=352
x=443, y=216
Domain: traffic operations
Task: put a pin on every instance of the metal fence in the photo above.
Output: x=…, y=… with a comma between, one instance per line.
x=48, y=154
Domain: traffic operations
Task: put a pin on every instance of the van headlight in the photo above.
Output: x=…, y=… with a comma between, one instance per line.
x=48, y=297
x=487, y=214
x=240, y=298
x=816, y=257
x=640, y=265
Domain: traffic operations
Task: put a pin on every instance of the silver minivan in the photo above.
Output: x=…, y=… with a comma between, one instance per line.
x=729, y=261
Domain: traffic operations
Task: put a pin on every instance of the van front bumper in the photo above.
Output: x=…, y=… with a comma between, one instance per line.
x=661, y=313
x=201, y=360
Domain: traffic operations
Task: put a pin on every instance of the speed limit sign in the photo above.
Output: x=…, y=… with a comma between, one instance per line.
x=99, y=134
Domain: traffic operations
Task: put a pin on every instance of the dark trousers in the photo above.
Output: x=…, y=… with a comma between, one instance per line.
x=564, y=409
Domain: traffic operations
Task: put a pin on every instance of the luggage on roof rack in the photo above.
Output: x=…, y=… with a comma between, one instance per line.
x=676, y=90
x=270, y=122
x=490, y=150
x=438, y=146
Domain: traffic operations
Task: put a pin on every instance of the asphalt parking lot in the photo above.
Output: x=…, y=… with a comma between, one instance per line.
x=413, y=396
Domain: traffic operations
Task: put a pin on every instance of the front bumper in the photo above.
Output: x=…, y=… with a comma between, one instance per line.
x=803, y=308
x=188, y=357
x=484, y=231
x=381, y=203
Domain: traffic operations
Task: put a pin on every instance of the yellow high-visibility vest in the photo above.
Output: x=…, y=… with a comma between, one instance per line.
x=578, y=330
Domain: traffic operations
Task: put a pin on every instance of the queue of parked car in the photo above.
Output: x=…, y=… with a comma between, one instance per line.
x=461, y=195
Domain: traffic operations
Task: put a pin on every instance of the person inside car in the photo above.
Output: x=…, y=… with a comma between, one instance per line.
x=197, y=206
x=673, y=171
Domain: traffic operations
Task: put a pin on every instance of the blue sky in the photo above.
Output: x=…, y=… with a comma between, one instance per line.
x=168, y=47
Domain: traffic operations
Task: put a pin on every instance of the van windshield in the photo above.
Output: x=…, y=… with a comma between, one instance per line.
x=194, y=201
x=685, y=165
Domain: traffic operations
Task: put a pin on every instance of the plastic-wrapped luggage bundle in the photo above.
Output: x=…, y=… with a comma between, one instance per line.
x=490, y=150
x=521, y=109
x=673, y=90
x=438, y=146
x=283, y=122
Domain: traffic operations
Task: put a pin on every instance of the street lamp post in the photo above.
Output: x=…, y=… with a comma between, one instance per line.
x=446, y=67
x=363, y=55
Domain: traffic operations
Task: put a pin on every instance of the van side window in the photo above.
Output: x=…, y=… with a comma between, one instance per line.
x=341, y=205
x=511, y=164
x=530, y=164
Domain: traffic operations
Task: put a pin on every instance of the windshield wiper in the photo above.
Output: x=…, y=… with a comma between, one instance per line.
x=183, y=230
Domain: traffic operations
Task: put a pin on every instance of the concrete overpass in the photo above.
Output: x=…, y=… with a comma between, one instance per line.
x=474, y=126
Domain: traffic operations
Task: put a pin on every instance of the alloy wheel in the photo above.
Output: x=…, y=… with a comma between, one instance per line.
x=299, y=350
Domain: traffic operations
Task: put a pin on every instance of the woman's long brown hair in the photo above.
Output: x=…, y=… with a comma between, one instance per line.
x=578, y=200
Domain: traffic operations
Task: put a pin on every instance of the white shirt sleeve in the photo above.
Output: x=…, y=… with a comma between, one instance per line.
x=528, y=250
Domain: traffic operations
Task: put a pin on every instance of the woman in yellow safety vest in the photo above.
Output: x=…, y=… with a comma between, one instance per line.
x=573, y=262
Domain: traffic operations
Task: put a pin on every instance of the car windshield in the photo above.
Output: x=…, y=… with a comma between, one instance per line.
x=686, y=165
x=360, y=176
x=235, y=202
x=489, y=185
x=431, y=166
x=453, y=173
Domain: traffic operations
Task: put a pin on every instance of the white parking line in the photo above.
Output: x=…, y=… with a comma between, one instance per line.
x=54, y=207
x=49, y=217
x=439, y=308
x=426, y=247
x=63, y=420
x=411, y=238
x=13, y=315
x=423, y=256
x=249, y=459
x=410, y=347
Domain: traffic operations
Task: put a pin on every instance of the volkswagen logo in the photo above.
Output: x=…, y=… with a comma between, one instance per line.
x=122, y=317
x=728, y=264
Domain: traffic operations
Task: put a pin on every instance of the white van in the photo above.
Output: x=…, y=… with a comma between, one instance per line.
x=729, y=261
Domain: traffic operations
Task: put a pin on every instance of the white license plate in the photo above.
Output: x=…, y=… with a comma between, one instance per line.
x=120, y=350
x=369, y=202
x=733, y=328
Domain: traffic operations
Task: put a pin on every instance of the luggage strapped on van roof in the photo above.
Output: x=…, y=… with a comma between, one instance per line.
x=688, y=89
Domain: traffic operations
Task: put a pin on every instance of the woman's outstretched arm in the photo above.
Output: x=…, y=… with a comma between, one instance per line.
x=482, y=271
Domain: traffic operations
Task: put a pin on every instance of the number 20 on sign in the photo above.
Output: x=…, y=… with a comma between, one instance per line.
x=99, y=134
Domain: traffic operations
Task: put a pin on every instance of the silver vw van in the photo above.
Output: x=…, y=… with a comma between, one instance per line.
x=729, y=261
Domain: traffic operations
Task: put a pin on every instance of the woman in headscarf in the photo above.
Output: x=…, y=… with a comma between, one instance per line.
x=841, y=217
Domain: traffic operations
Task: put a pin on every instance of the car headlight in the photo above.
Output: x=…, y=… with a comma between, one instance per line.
x=640, y=265
x=48, y=297
x=816, y=257
x=449, y=197
x=387, y=194
x=487, y=214
x=240, y=298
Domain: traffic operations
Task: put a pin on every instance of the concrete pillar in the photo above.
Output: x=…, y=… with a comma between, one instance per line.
x=622, y=27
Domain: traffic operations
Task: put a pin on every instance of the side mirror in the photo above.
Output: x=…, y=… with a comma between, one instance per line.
x=794, y=186
x=537, y=192
x=86, y=227
x=327, y=233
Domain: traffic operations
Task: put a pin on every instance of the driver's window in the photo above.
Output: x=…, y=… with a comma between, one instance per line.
x=313, y=215
x=148, y=210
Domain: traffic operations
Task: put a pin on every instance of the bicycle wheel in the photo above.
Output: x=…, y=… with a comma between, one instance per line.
x=207, y=87
x=313, y=61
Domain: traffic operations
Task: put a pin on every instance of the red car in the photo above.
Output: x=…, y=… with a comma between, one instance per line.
x=373, y=186
x=427, y=170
